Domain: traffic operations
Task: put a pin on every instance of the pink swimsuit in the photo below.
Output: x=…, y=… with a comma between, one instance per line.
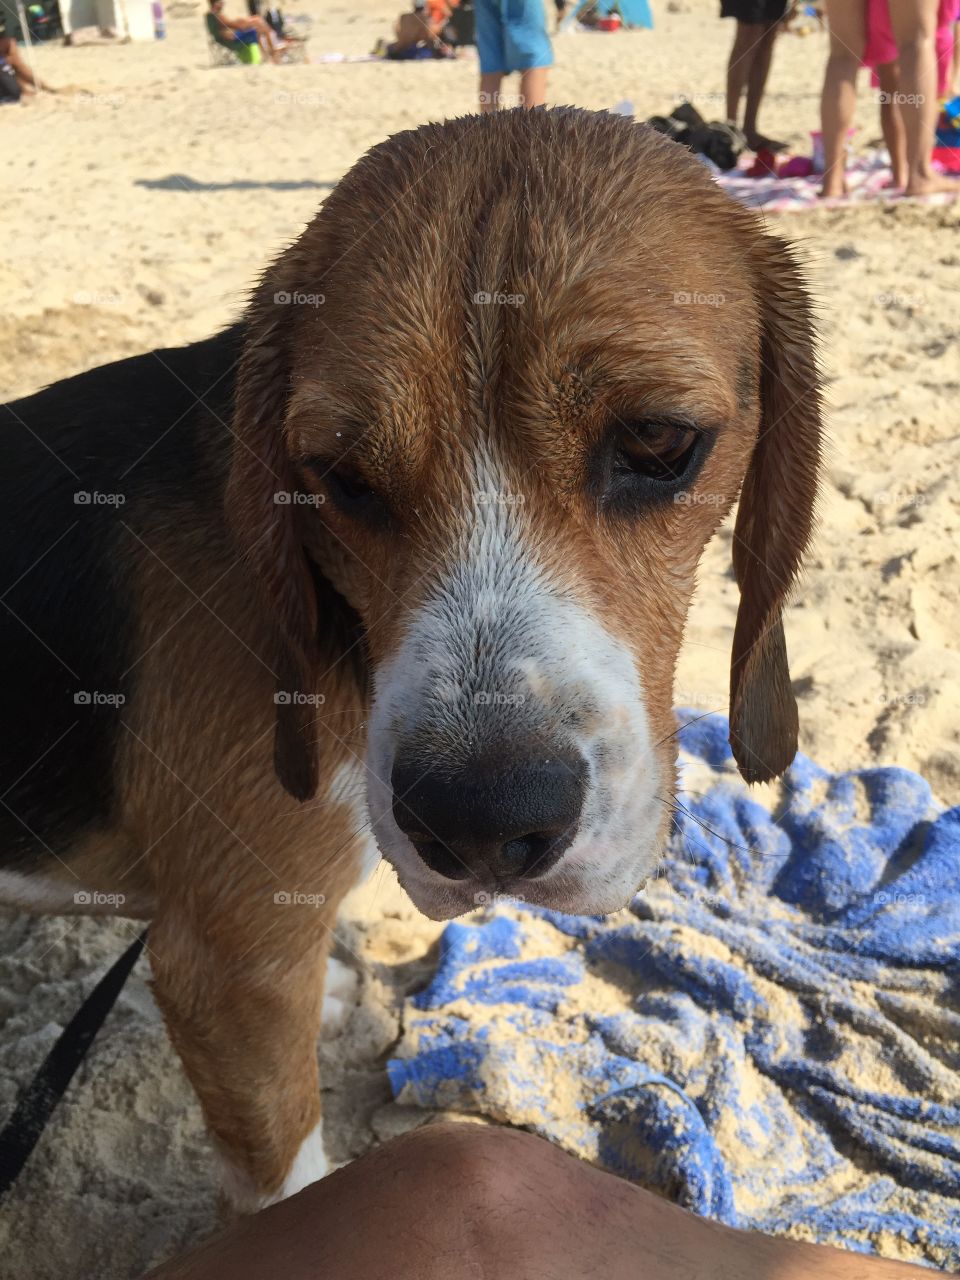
x=881, y=46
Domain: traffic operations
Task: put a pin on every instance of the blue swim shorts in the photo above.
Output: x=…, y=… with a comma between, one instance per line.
x=512, y=35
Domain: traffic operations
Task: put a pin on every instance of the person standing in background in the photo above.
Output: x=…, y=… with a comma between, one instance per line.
x=758, y=22
x=914, y=26
x=512, y=36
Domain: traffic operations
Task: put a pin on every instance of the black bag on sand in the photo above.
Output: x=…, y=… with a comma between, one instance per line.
x=720, y=142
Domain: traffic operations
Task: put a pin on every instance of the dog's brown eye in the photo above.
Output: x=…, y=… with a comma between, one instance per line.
x=348, y=485
x=658, y=450
x=645, y=463
x=351, y=493
x=347, y=488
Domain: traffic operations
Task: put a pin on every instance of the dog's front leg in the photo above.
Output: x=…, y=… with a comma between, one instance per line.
x=243, y=1011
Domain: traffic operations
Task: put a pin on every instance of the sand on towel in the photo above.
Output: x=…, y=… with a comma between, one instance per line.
x=139, y=227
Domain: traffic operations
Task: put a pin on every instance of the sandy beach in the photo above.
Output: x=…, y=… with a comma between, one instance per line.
x=148, y=194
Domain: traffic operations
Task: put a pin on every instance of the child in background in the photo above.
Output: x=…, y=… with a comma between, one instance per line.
x=512, y=36
x=914, y=51
x=758, y=22
x=881, y=56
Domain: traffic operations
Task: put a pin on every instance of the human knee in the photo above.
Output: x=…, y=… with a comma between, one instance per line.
x=844, y=61
x=480, y=1169
x=918, y=46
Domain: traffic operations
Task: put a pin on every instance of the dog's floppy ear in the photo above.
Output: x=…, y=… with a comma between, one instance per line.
x=262, y=515
x=775, y=517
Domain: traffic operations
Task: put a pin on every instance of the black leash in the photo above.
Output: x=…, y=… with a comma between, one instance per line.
x=22, y=1131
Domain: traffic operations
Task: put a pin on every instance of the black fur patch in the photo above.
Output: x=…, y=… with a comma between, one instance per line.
x=122, y=444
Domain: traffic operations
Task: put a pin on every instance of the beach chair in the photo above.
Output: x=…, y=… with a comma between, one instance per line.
x=225, y=52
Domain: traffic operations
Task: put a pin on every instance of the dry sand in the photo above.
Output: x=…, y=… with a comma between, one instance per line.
x=144, y=208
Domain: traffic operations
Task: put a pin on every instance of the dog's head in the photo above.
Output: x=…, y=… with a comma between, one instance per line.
x=515, y=373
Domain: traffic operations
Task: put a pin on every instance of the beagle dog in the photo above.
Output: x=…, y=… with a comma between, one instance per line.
x=399, y=565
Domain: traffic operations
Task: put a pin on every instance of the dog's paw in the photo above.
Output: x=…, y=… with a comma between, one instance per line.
x=310, y=1165
x=241, y=1193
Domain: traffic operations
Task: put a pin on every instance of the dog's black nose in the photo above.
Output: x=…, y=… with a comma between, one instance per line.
x=503, y=818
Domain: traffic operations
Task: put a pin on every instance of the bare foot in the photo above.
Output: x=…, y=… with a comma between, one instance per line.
x=927, y=184
x=760, y=142
x=834, y=187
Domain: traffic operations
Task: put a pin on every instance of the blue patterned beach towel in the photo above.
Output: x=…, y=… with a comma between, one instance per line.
x=770, y=1035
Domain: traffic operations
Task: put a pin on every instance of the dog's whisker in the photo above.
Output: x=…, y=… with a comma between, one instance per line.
x=680, y=728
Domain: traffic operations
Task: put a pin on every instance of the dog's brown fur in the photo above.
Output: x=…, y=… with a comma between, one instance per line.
x=599, y=225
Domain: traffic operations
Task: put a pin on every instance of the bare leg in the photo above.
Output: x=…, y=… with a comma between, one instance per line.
x=533, y=87
x=27, y=78
x=891, y=122
x=914, y=25
x=490, y=87
x=756, y=83
x=454, y=1202
x=839, y=99
x=738, y=68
